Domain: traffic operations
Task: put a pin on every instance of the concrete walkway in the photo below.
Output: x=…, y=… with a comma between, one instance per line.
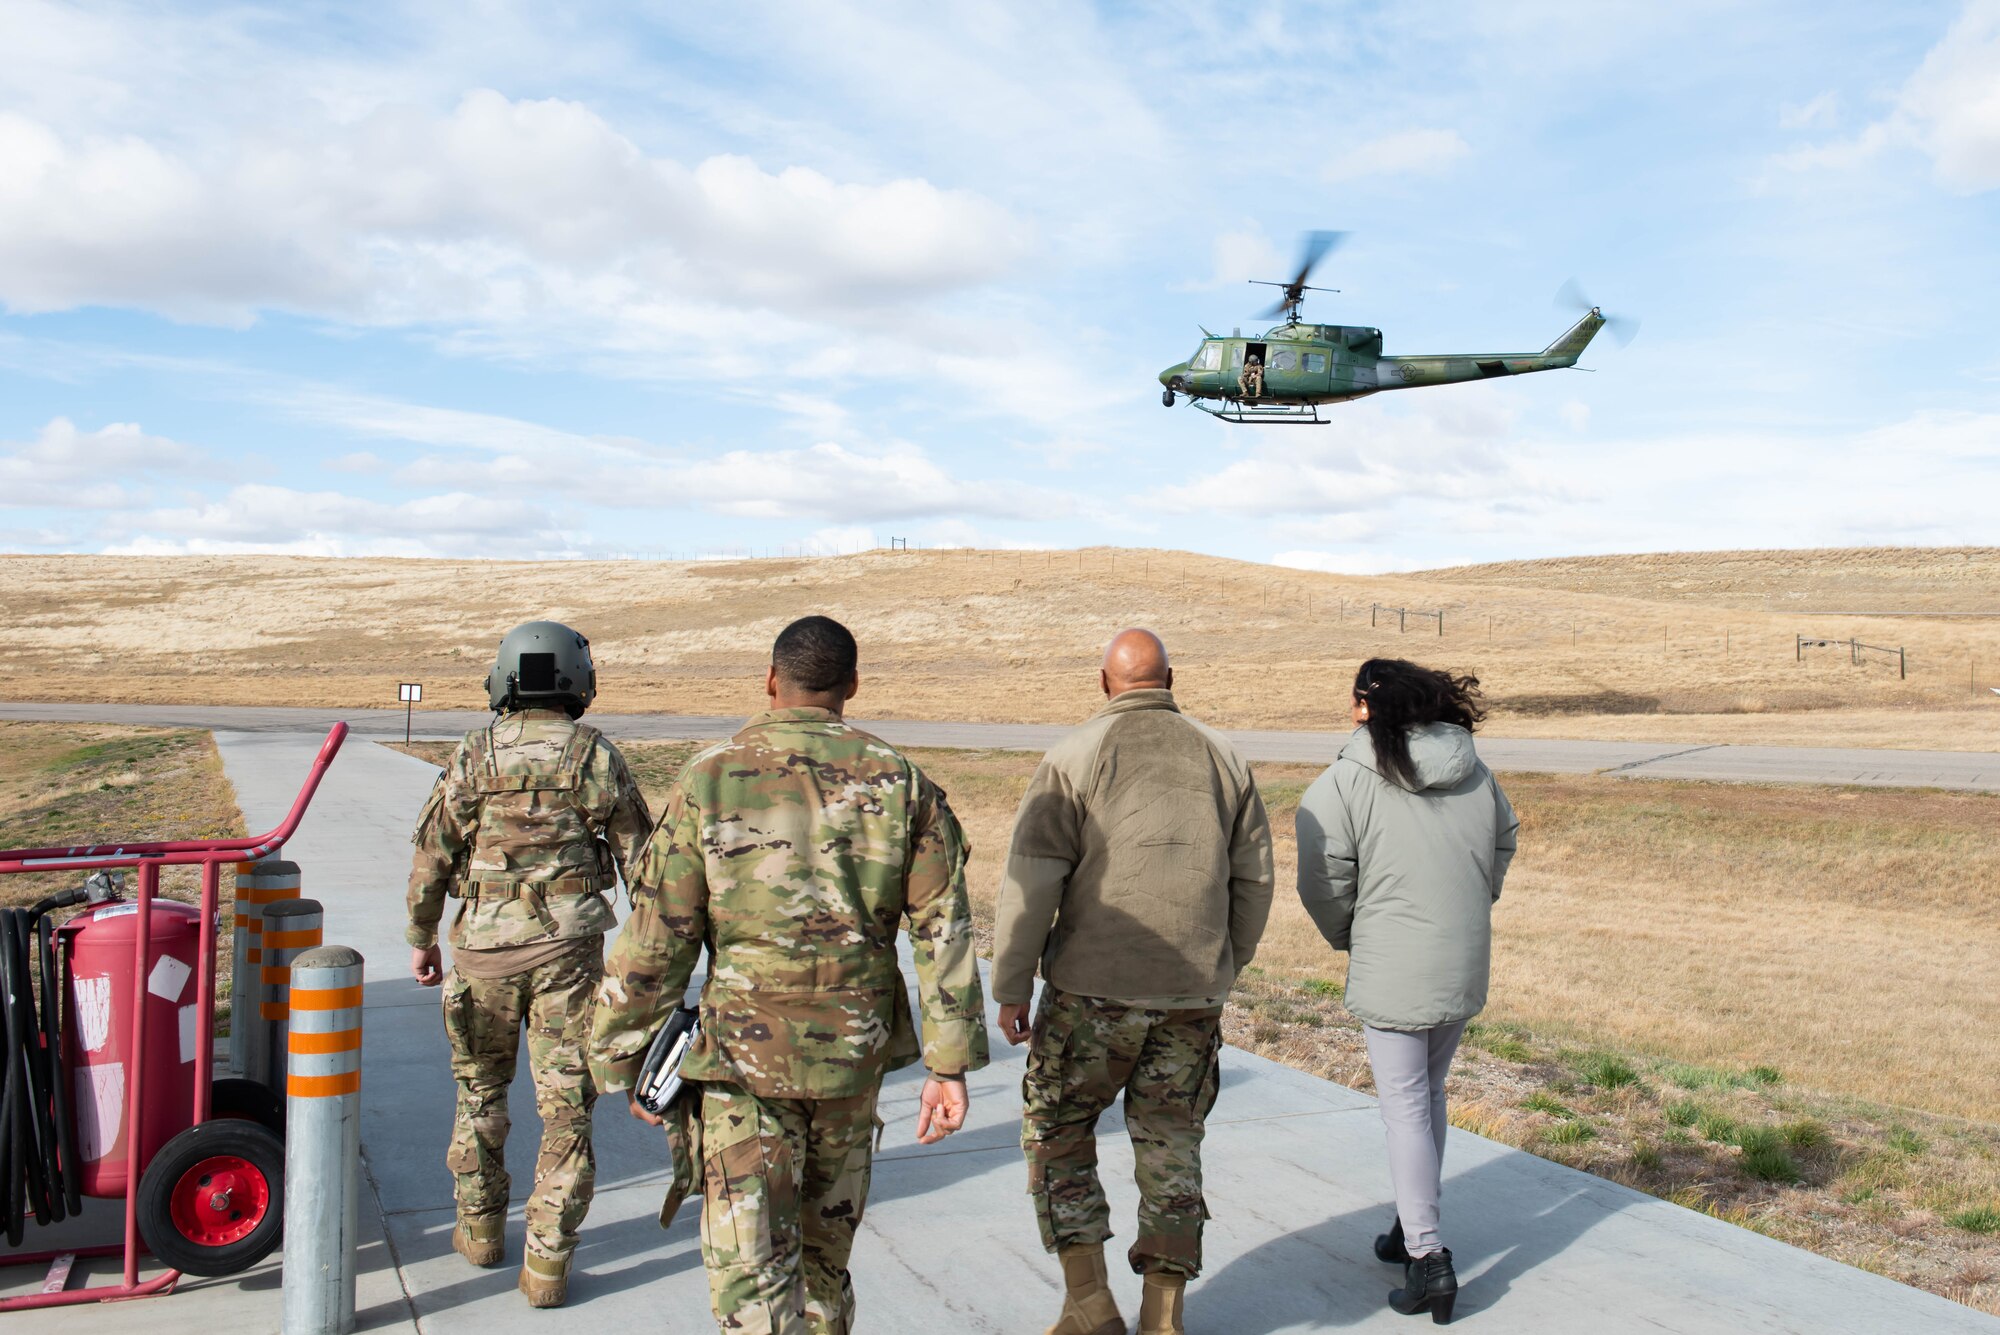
x=1297, y=1182
x=1973, y=771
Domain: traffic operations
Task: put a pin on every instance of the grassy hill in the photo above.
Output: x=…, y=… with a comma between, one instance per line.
x=1701, y=646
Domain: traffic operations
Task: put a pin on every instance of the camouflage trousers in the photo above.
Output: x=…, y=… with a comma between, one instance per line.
x=784, y=1182
x=1084, y=1053
x=483, y=1018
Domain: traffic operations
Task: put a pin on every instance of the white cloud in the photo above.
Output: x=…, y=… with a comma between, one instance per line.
x=1818, y=113
x=1953, y=100
x=833, y=482
x=1452, y=446
x=1948, y=109
x=67, y=468
x=1243, y=255
x=1406, y=153
x=258, y=518
x=497, y=211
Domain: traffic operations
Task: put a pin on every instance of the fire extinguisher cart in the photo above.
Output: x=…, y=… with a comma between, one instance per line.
x=210, y=1199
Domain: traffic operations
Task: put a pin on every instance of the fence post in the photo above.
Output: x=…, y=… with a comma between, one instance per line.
x=1798, y=648
x=1440, y=623
x=291, y=928
x=323, y=1142
x=259, y=884
x=1372, y=608
x=1402, y=619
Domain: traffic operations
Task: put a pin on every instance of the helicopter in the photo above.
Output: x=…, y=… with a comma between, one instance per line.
x=1298, y=367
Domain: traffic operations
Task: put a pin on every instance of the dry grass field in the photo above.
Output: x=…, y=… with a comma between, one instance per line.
x=1698, y=647
x=69, y=783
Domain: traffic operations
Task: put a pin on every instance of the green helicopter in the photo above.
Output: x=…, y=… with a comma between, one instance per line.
x=1288, y=373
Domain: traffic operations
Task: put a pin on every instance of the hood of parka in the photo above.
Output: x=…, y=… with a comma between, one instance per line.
x=1441, y=753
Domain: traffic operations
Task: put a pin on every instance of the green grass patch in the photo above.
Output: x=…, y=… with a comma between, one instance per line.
x=1568, y=1133
x=1690, y=1076
x=1329, y=988
x=1905, y=1141
x=1645, y=1158
x=1717, y=1127
x=1540, y=1101
x=1806, y=1133
x=1765, y=1156
x=1605, y=1070
x=1979, y=1219
x=1681, y=1112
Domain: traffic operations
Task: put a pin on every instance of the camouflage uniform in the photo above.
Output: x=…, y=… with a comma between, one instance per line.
x=530, y=823
x=791, y=852
x=1083, y=1053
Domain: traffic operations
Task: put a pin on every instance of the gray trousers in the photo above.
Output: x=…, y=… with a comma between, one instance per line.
x=1409, y=1080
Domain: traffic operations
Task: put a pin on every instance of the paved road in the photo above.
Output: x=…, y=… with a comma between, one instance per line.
x=1296, y=1167
x=1975, y=771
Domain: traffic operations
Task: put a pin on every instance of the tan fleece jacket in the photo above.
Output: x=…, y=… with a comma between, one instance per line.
x=1141, y=862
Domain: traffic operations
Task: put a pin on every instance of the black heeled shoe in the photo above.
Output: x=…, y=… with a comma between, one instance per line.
x=1430, y=1283
x=1389, y=1246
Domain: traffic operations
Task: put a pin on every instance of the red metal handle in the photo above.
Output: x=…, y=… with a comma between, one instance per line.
x=183, y=851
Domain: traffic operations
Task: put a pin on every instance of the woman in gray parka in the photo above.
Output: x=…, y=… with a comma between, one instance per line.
x=1403, y=844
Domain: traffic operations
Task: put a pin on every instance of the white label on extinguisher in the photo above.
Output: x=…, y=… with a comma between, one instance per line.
x=100, y=1098
x=93, y=1011
x=168, y=978
x=188, y=1032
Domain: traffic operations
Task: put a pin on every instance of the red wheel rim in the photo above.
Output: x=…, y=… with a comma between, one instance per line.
x=219, y=1201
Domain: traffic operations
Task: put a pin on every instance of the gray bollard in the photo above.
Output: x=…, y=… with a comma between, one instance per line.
x=291, y=928
x=258, y=885
x=323, y=1141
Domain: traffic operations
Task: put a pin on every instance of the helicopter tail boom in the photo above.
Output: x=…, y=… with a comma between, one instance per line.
x=1451, y=368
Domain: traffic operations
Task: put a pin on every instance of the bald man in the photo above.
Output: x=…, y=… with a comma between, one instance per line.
x=1138, y=881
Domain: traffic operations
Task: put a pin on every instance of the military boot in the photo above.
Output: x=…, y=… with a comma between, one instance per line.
x=1160, y=1309
x=480, y=1238
x=545, y=1280
x=1088, y=1307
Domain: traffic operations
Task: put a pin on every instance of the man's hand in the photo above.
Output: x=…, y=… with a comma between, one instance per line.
x=632, y=1103
x=1014, y=1023
x=941, y=1108
x=427, y=965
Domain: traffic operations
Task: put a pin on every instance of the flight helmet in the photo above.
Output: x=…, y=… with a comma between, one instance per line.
x=542, y=664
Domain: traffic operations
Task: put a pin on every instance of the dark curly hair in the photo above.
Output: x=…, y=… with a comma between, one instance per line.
x=1402, y=695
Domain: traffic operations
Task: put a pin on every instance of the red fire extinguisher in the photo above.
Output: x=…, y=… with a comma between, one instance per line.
x=97, y=1040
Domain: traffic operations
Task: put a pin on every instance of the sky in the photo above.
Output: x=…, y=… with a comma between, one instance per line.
x=519, y=280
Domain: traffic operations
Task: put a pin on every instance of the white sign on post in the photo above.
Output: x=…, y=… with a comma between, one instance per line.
x=409, y=692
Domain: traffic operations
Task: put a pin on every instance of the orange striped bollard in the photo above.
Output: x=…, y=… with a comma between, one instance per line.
x=291, y=928
x=322, y=1141
x=258, y=885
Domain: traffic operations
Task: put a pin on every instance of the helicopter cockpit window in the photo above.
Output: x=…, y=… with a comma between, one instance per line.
x=1315, y=362
x=1284, y=359
x=1208, y=359
x=1235, y=356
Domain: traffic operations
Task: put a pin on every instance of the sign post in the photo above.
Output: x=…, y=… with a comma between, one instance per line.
x=409, y=692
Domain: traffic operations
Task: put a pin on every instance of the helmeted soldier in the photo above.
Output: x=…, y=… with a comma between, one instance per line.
x=793, y=852
x=530, y=826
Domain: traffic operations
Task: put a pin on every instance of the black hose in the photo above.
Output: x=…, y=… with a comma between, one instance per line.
x=38, y=1161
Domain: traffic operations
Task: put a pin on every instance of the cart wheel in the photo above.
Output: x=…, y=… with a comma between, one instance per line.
x=212, y=1202
x=248, y=1101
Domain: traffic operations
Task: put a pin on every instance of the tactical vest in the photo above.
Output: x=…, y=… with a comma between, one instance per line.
x=533, y=832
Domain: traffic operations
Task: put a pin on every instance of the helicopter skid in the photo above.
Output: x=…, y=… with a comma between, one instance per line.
x=1266, y=414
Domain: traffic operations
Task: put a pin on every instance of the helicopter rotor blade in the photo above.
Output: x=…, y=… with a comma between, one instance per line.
x=1623, y=328
x=1313, y=248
